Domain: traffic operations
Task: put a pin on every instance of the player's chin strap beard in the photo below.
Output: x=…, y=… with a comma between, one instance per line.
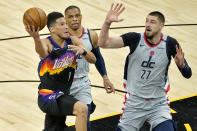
x=151, y=37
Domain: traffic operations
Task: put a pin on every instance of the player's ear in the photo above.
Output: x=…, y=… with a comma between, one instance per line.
x=161, y=25
x=51, y=29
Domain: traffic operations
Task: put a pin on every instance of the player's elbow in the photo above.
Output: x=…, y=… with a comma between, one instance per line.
x=103, y=44
x=100, y=43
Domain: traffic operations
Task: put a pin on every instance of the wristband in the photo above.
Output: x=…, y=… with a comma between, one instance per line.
x=105, y=78
x=84, y=52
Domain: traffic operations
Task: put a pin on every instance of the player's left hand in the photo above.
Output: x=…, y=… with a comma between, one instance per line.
x=76, y=49
x=114, y=12
x=109, y=87
x=179, y=57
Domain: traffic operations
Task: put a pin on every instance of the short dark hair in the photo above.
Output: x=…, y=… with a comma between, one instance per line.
x=52, y=17
x=159, y=15
x=71, y=7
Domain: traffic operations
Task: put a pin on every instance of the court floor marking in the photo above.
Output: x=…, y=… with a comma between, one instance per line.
x=188, y=127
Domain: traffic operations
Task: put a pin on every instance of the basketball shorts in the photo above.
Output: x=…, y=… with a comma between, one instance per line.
x=138, y=110
x=57, y=103
x=81, y=90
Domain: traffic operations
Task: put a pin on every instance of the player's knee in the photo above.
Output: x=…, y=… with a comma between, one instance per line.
x=80, y=109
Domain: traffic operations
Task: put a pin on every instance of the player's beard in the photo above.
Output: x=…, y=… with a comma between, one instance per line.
x=152, y=35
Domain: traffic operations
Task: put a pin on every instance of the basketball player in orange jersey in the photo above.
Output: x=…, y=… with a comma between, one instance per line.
x=146, y=71
x=56, y=70
x=80, y=88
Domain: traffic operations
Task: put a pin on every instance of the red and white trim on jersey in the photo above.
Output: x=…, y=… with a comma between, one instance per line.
x=152, y=45
x=124, y=102
x=167, y=86
x=124, y=83
x=83, y=32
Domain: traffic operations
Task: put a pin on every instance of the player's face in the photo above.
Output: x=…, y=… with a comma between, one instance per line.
x=153, y=26
x=61, y=28
x=73, y=18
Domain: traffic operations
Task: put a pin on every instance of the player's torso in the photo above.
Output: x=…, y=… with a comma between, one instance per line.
x=82, y=68
x=56, y=71
x=147, y=68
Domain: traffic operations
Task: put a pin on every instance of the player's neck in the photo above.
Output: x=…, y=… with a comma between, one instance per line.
x=155, y=39
x=78, y=32
x=58, y=40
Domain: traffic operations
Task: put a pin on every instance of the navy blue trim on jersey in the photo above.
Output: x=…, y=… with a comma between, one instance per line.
x=131, y=39
x=126, y=68
x=171, y=47
x=100, y=63
x=54, y=43
x=186, y=71
x=171, y=51
x=67, y=42
x=90, y=38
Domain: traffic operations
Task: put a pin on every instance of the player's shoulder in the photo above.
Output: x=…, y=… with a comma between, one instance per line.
x=131, y=35
x=171, y=41
x=93, y=33
x=170, y=38
x=45, y=41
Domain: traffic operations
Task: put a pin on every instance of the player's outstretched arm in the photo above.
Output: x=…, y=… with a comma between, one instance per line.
x=112, y=16
x=182, y=63
x=100, y=63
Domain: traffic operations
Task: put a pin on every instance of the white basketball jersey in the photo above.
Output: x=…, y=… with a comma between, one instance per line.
x=147, y=69
x=82, y=68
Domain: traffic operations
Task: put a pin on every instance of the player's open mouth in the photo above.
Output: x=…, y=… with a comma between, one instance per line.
x=148, y=30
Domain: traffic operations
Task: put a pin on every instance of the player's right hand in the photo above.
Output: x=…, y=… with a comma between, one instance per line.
x=32, y=31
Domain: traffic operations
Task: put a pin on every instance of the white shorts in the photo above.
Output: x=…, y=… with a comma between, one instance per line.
x=138, y=110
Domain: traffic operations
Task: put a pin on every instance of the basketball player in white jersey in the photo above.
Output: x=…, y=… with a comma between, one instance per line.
x=80, y=88
x=146, y=71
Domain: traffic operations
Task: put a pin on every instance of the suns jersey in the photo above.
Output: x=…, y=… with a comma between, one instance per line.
x=146, y=68
x=82, y=68
x=56, y=71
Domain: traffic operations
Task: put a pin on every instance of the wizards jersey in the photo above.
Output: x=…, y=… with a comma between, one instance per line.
x=56, y=71
x=82, y=68
x=146, y=68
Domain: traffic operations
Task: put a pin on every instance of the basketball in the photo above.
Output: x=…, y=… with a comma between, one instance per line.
x=35, y=17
